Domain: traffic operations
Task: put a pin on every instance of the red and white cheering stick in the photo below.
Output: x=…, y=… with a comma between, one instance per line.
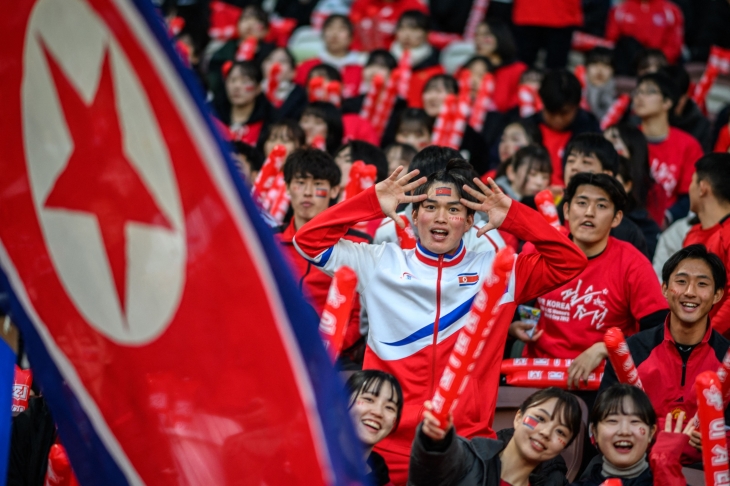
x=266, y=180
x=585, y=42
x=472, y=337
x=442, y=125
x=722, y=373
x=21, y=389
x=620, y=357
x=273, y=86
x=371, y=97
x=476, y=15
x=333, y=93
x=404, y=68
x=580, y=73
x=483, y=102
x=710, y=409
x=336, y=313
x=316, y=89
x=717, y=63
x=529, y=100
x=546, y=206
x=513, y=365
x=616, y=111
x=247, y=49
x=319, y=143
x=612, y=482
x=548, y=378
x=362, y=176
x=405, y=235
x=386, y=102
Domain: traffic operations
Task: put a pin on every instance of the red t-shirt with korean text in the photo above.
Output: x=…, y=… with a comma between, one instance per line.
x=617, y=289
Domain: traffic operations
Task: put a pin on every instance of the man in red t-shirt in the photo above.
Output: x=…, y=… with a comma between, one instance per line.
x=313, y=181
x=561, y=118
x=672, y=152
x=709, y=196
x=618, y=288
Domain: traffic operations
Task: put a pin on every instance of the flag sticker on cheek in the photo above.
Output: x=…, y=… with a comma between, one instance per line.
x=530, y=421
x=321, y=192
x=443, y=191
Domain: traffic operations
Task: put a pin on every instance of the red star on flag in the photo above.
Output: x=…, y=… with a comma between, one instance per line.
x=98, y=179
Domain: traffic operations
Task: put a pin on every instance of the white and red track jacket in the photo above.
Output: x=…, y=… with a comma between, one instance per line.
x=409, y=293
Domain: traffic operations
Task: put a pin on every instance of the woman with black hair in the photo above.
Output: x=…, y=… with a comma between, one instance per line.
x=376, y=405
x=494, y=41
x=322, y=118
x=359, y=150
x=623, y=425
x=246, y=110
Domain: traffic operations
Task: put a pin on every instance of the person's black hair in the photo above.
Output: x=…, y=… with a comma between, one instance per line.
x=679, y=75
x=567, y=408
x=416, y=18
x=372, y=381
x=329, y=72
x=534, y=135
x=535, y=157
x=257, y=12
x=411, y=118
x=253, y=155
x=478, y=58
x=248, y=69
x=334, y=17
x=450, y=83
x=307, y=161
x=381, y=57
x=613, y=401
x=407, y=152
x=293, y=130
x=370, y=154
x=287, y=52
x=560, y=89
x=432, y=159
x=641, y=61
x=624, y=170
x=666, y=85
x=638, y=148
x=506, y=47
x=599, y=55
x=715, y=169
x=605, y=182
x=332, y=117
x=593, y=144
x=696, y=252
x=458, y=172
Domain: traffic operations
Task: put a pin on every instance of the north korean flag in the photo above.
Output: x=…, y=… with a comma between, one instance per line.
x=160, y=320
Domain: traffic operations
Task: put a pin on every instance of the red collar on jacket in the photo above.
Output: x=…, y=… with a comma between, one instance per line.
x=432, y=259
x=287, y=236
x=668, y=334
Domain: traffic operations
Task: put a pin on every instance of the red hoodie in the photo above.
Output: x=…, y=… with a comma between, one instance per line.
x=656, y=24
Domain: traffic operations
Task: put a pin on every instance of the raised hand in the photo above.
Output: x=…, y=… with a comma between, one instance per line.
x=432, y=426
x=393, y=191
x=491, y=200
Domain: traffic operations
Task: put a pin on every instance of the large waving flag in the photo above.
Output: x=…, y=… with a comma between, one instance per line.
x=160, y=320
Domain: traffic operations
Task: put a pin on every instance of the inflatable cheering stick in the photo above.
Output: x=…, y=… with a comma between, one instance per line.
x=472, y=337
x=21, y=389
x=620, y=357
x=612, y=482
x=546, y=206
x=247, y=49
x=362, y=176
x=406, y=237
x=712, y=427
x=336, y=313
x=59, y=472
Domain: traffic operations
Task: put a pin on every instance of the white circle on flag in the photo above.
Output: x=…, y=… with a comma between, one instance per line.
x=155, y=257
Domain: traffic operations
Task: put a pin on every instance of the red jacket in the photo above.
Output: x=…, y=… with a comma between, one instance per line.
x=375, y=21
x=719, y=244
x=411, y=296
x=315, y=284
x=548, y=13
x=669, y=383
x=506, y=85
x=656, y=24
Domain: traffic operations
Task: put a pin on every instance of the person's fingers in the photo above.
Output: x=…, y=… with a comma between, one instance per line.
x=493, y=186
x=680, y=422
x=689, y=428
x=427, y=405
x=419, y=198
x=668, y=423
x=537, y=335
x=480, y=196
x=484, y=229
x=413, y=185
x=482, y=186
x=394, y=175
x=403, y=180
x=396, y=219
x=471, y=204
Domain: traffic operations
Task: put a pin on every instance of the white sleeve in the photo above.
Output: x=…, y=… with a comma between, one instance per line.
x=363, y=258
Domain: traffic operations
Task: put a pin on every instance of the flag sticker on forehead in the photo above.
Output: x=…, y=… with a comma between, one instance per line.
x=443, y=191
x=153, y=301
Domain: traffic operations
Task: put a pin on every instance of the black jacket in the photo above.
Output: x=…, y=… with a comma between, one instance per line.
x=461, y=462
x=692, y=121
x=593, y=477
x=32, y=436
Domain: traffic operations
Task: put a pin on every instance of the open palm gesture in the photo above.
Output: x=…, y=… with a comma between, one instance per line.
x=491, y=200
x=393, y=191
